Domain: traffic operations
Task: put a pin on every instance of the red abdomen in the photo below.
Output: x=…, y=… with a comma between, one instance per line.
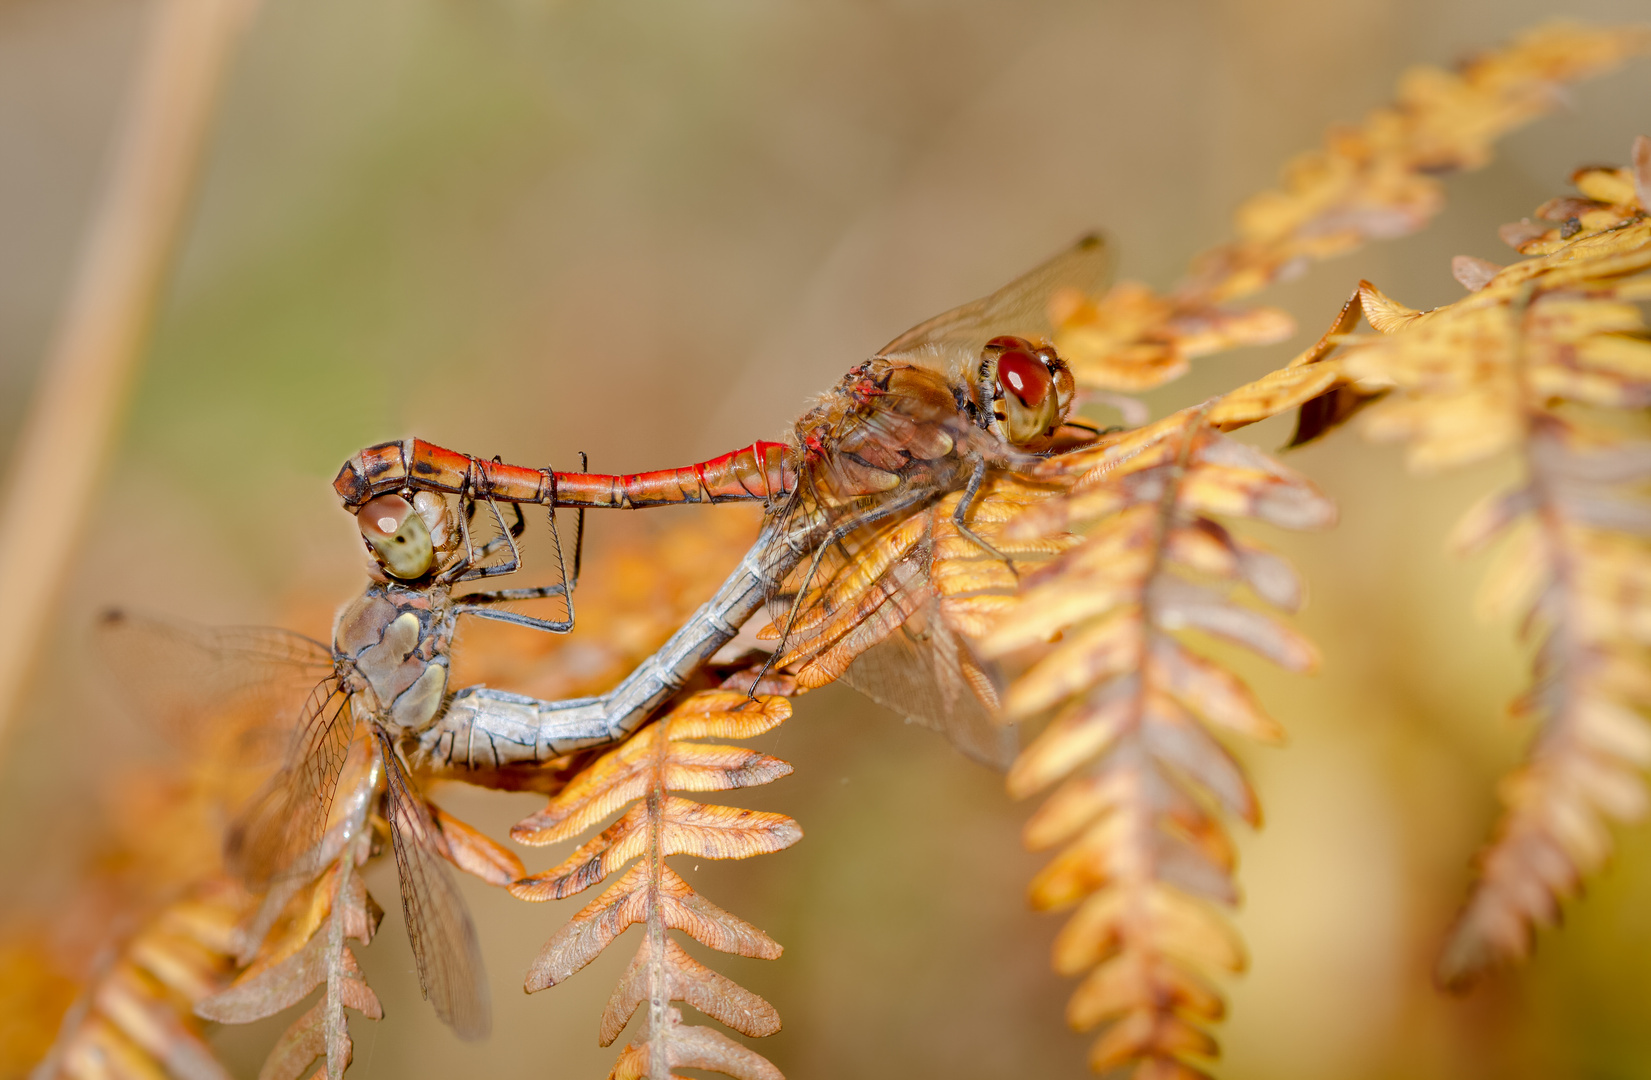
x=762, y=470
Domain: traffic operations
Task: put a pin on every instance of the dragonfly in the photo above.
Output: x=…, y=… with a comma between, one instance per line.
x=385, y=676
x=928, y=416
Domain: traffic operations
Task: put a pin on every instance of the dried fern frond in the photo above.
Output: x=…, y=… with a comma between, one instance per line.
x=1143, y=780
x=643, y=772
x=298, y=938
x=298, y=941
x=1372, y=181
x=1548, y=359
x=137, y=1018
x=1132, y=338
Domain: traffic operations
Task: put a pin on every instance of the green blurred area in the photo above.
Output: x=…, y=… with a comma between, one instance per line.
x=651, y=232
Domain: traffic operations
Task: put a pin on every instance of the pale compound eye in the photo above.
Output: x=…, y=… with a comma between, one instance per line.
x=398, y=537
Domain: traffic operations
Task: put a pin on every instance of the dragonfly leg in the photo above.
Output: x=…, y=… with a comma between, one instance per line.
x=834, y=537
x=791, y=617
x=476, y=603
x=463, y=562
x=482, y=611
x=516, y=530
x=506, y=596
x=508, y=535
x=578, y=529
x=960, y=517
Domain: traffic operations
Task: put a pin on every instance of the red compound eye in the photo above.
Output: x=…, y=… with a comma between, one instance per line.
x=1008, y=342
x=1023, y=375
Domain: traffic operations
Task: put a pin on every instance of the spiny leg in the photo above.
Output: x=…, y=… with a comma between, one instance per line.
x=474, y=603
x=553, y=626
x=960, y=515
x=509, y=566
x=516, y=530
x=578, y=531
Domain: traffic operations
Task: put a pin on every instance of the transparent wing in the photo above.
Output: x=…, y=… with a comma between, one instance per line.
x=180, y=676
x=932, y=679
x=824, y=572
x=864, y=612
x=848, y=564
x=444, y=939
x=279, y=832
x=1020, y=307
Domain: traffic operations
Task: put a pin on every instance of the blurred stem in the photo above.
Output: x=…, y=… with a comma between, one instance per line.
x=88, y=374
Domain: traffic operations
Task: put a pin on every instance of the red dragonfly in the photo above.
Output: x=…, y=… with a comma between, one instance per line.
x=385, y=677
x=931, y=414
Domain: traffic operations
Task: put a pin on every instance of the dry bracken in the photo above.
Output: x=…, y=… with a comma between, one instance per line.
x=298, y=939
x=1371, y=181
x=1549, y=360
x=1099, y=630
x=1143, y=780
x=643, y=773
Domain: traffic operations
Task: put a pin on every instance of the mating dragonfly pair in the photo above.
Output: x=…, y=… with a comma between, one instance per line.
x=929, y=416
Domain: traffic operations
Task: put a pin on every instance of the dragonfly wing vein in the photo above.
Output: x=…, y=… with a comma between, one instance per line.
x=180, y=677
x=439, y=927
x=286, y=821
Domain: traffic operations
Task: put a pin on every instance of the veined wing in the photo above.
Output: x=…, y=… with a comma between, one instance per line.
x=445, y=946
x=932, y=677
x=181, y=676
x=864, y=611
x=278, y=834
x=1020, y=308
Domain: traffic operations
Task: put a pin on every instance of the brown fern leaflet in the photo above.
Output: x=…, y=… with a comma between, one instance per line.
x=644, y=772
x=298, y=939
x=1142, y=778
x=1548, y=359
x=1141, y=775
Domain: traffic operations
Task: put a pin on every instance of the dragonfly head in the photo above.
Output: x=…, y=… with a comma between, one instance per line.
x=1029, y=390
x=398, y=535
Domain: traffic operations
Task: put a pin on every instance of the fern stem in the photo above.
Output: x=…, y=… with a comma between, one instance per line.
x=83, y=385
x=1143, y=825
x=659, y=989
x=334, y=1022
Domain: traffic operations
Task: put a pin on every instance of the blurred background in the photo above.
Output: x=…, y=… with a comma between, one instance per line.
x=651, y=232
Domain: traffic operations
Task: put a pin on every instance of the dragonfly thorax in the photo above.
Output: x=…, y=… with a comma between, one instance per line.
x=391, y=646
